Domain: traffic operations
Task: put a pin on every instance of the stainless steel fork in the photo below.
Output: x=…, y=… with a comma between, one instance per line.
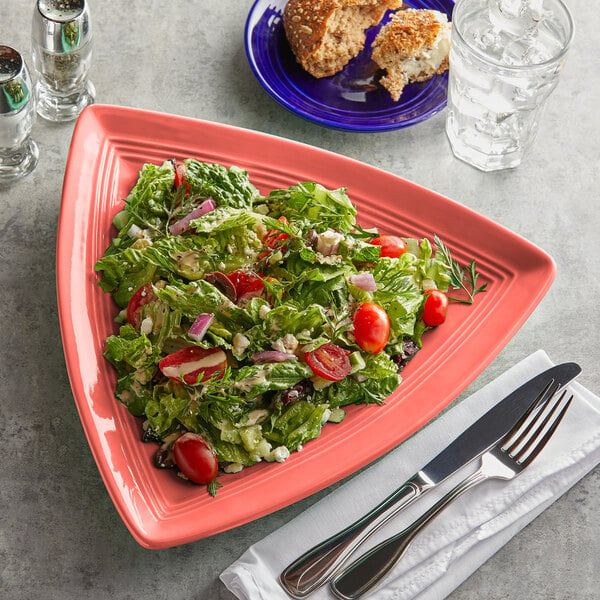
x=505, y=460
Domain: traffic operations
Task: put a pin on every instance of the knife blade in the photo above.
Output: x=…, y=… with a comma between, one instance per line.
x=318, y=564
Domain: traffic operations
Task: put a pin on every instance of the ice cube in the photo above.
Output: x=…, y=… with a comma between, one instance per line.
x=551, y=36
x=512, y=9
x=516, y=52
x=517, y=17
x=534, y=48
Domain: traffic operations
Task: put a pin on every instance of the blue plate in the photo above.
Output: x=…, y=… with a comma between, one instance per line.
x=349, y=100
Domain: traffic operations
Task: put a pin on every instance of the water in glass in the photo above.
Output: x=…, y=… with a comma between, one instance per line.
x=504, y=63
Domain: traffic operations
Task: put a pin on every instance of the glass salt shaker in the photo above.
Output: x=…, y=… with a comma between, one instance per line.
x=18, y=152
x=61, y=39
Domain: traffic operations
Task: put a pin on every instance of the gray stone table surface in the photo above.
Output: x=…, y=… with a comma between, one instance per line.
x=60, y=535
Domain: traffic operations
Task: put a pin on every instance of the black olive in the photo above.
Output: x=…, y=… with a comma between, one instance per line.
x=149, y=435
x=223, y=284
x=409, y=349
x=163, y=459
x=303, y=389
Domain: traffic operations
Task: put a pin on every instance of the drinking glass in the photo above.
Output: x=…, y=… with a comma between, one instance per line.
x=18, y=152
x=61, y=39
x=505, y=59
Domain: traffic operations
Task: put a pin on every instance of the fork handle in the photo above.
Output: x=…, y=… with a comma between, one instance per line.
x=367, y=570
x=318, y=564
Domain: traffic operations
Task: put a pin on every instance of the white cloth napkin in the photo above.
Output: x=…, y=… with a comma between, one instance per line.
x=467, y=533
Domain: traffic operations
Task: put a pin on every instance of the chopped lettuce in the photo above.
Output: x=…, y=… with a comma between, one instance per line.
x=304, y=247
x=312, y=206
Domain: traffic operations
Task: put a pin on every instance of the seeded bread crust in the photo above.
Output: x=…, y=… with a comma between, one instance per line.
x=325, y=35
x=408, y=38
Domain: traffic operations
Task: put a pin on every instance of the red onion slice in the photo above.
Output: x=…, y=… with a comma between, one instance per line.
x=364, y=281
x=200, y=327
x=328, y=242
x=271, y=356
x=184, y=223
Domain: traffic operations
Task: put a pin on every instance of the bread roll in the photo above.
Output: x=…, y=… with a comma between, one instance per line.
x=326, y=34
x=413, y=46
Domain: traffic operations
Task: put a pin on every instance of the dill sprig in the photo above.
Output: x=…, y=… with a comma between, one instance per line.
x=277, y=225
x=338, y=324
x=213, y=486
x=367, y=234
x=272, y=244
x=464, y=279
x=275, y=290
x=141, y=221
x=176, y=204
x=213, y=397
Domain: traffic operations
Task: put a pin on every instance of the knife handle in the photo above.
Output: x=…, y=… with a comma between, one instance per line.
x=367, y=570
x=317, y=565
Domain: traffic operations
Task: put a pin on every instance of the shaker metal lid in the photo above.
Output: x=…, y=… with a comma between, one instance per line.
x=61, y=26
x=14, y=81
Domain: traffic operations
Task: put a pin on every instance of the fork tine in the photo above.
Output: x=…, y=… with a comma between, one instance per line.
x=542, y=442
x=539, y=421
x=537, y=407
x=541, y=400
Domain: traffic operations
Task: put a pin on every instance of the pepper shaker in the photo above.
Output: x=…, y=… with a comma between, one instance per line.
x=61, y=39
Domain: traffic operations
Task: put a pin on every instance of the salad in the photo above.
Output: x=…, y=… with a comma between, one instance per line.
x=248, y=322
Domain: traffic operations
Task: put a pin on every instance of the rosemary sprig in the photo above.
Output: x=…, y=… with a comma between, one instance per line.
x=464, y=279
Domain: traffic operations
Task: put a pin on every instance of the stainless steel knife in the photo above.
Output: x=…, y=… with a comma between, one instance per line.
x=317, y=565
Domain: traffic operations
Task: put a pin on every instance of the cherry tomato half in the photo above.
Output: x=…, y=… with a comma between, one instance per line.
x=247, y=283
x=190, y=362
x=329, y=361
x=142, y=296
x=435, y=308
x=195, y=458
x=371, y=327
x=391, y=245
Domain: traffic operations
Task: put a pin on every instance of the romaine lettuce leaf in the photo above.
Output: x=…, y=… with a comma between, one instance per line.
x=297, y=424
x=197, y=297
x=228, y=186
x=130, y=350
x=124, y=272
x=254, y=380
x=311, y=205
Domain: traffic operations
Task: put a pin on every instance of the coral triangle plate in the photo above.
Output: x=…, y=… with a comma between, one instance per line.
x=109, y=147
